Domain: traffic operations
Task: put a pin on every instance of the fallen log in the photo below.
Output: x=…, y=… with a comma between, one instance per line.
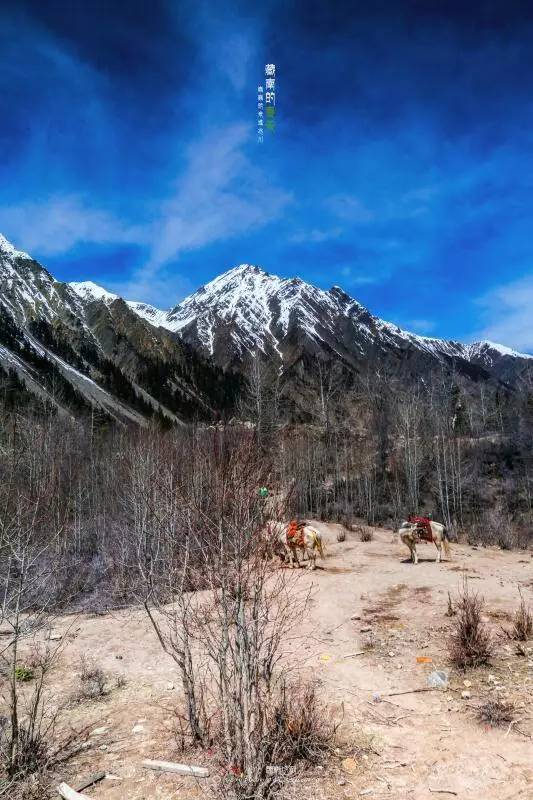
x=181, y=769
x=65, y=791
x=90, y=781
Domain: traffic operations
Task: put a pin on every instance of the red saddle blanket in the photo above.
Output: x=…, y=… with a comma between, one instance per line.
x=295, y=534
x=424, y=526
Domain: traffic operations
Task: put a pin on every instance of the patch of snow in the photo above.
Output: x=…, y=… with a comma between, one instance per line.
x=89, y=291
x=477, y=348
x=155, y=316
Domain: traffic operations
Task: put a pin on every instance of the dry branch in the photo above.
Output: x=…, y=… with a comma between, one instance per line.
x=65, y=791
x=181, y=769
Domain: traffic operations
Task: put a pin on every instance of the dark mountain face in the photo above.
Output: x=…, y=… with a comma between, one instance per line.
x=78, y=354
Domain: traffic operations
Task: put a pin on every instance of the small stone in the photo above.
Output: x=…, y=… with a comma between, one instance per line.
x=99, y=731
x=467, y=683
x=137, y=729
x=103, y=747
x=391, y=654
x=356, y=616
x=366, y=629
x=466, y=695
x=349, y=765
x=170, y=686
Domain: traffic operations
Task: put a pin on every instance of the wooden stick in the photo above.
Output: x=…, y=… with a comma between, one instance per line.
x=411, y=691
x=67, y=793
x=351, y=655
x=181, y=769
x=441, y=791
x=96, y=778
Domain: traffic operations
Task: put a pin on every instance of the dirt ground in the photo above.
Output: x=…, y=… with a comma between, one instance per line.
x=417, y=745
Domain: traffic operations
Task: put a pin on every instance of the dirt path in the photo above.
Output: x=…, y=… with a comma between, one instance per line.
x=365, y=597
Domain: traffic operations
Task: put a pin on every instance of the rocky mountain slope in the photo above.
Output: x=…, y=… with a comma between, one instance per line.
x=246, y=310
x=81, y=347
x=95, y=352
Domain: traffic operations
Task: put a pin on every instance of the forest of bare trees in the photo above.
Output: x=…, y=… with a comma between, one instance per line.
x=96, y=516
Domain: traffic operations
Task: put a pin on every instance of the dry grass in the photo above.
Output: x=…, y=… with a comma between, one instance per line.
x=450, y=611
x=366, y=534
x=496, y=713
x=341, y=535
x=523, y=622
x=92, y=681
x=470, y=644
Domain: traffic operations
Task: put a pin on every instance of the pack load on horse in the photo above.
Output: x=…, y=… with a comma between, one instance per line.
x=423, y=526
x=417, y=528
x=295, y=533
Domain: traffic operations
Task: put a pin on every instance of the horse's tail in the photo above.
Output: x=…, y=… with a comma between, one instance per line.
x=446, y=542
x=317, y=539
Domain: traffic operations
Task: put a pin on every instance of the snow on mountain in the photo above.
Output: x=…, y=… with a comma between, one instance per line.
x=89, y=291
x=489, y=349
x=243, y=310
x=7, y=250
x=246, y=309
x=258, y=310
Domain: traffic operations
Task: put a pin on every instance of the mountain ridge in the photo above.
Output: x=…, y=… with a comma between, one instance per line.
x=186, y=311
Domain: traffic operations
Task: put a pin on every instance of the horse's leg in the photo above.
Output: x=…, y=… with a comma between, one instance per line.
x=438, y=545
x=415, y=554
x=288, y=555
x=311, y=555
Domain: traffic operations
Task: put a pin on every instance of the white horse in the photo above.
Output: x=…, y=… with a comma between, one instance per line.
x=410, y=533
x=310, y=542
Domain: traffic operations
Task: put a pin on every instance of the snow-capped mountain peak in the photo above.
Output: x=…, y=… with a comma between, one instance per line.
x=89, y=291
x=8, y=250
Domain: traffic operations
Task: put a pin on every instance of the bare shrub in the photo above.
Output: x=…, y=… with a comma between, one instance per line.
x=366, y=534
x=298, y=727
x=494, y=528
x=341, y=535
x=26, y=737
x=470, y=644
x=205, y=533
x=34, y=787
x=296, y=733
x=523, y=622
x=496, y=713
x=120, y=681
x=92, y=680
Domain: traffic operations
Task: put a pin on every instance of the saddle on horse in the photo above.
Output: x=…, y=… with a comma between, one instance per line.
x=295, y=533
x=423, y=527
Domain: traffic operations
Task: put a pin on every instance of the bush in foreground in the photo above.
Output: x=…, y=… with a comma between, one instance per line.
x=470, y=644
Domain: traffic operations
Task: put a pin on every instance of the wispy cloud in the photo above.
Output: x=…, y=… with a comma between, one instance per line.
x=59, y=223
x=423, y=326
x=221, y=195
x=508, y=310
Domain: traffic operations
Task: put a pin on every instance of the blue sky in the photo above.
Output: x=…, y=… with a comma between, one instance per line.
x=401, y=167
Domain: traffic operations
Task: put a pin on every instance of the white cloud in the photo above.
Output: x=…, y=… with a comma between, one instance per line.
x=61, y=222
x=508, y=311
x=222, y=194
x=349, y=208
